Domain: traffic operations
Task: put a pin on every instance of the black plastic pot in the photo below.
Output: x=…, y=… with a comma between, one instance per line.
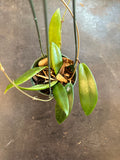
x=35, y=64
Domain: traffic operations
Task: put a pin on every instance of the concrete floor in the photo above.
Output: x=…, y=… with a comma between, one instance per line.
x=28, y=129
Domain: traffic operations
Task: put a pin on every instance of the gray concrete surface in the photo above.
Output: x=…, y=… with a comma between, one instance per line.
x=28, y=129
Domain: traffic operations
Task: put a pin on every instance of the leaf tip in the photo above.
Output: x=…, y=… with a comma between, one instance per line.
x=59, y=122
x=58, y=10
x=5, y=92
x=1, y=67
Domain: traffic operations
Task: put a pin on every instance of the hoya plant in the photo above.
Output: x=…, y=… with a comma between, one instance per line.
x=54, y=74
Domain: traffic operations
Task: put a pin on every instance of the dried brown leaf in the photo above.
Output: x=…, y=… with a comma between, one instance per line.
x=43, y=62
x=60, y=78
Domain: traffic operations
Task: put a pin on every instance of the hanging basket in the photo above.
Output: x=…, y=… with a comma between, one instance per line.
x=57, y=75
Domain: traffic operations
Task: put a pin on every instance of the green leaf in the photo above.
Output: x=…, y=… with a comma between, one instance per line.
x=61, y=97
x=25, y=77
x=60, y=114
x=70, y=93
x=55, y=57
x=87, y=89
x=55, y=28
x=39, y=86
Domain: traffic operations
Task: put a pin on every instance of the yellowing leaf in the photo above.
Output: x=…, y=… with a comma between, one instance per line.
x=55, y=28
x=87, y=89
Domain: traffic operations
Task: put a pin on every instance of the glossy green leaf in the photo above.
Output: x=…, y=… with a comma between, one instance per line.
x=55, y=57
x=55, y=28
x=70, y=93
x=39, y=86
x=87, y=89
x=60, y=114
x=25, y=77
x=61, y=97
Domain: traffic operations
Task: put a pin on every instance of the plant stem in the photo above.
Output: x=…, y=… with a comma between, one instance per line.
x=74, y=24
x=47, y=40
x=36, y=24
x=33, y=98
x=77, y=58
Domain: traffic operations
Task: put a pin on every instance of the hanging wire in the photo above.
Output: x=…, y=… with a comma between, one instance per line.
x=36, y=24
x=78, y=39
x=62, y=20
x=47, y=40
x=74, y=23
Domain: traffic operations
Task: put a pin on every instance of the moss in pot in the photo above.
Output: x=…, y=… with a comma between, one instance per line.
x=55, y=75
